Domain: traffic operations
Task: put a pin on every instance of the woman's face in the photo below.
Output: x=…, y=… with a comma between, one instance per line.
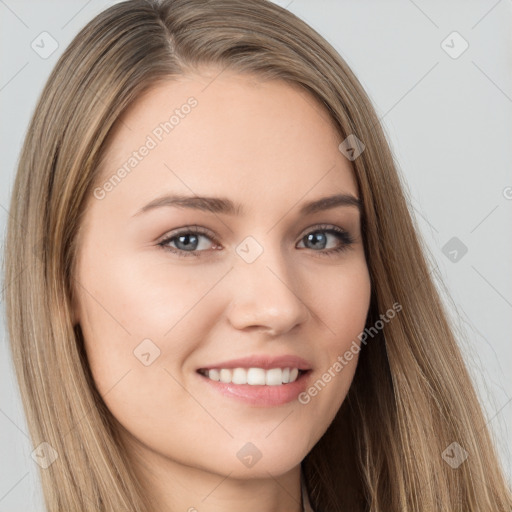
x=170, y=291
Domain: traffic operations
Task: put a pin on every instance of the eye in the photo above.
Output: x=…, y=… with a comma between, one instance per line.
x=319, y=238
x=187, y=241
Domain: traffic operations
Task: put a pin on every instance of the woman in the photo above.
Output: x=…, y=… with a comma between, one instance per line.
x=220, y=297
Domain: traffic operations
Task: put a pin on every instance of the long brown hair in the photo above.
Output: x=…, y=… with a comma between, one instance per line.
x=411, y=396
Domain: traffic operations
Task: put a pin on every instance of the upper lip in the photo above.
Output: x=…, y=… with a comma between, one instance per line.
x=263, y=361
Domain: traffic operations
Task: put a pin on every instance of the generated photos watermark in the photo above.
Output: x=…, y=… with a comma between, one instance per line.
x=156, y=136
x=344, y=359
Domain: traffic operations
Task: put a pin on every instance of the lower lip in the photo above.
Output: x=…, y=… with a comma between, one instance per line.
x=263, y=396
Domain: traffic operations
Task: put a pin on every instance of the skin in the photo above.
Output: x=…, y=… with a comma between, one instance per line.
x=271, y=147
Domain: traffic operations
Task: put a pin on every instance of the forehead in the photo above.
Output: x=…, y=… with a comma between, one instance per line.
x=217, y=129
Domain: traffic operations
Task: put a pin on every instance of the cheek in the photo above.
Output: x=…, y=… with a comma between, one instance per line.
x=341, y=300
x=134, y=296
x=138, y=333
x=134, y=313
x=142, y=323
x=341, y=305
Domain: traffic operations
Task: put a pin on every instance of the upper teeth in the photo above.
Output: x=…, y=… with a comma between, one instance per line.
x=254, y=376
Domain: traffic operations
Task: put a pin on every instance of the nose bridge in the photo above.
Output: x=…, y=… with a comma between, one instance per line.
x=263, y=293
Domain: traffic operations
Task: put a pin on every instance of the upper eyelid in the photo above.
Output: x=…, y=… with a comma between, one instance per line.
x=185, y=230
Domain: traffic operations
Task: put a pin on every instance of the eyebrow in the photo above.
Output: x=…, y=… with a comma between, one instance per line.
x=226, y=206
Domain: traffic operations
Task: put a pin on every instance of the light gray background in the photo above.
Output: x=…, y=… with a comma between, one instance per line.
x=448, y=122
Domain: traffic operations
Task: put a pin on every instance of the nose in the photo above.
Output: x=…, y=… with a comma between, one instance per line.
x=265, y=295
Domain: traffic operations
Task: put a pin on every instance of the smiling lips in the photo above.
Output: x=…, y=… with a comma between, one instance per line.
x=259, y=380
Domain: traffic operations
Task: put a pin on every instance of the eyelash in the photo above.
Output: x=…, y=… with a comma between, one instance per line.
x=343, y=235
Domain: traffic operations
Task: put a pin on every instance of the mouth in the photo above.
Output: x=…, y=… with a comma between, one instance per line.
x=264, y=386
x=253, y=376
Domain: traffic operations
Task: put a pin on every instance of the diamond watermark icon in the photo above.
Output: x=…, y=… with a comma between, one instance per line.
x=454, y=249
x=351, y=147
x=146, y=352
x=44, y=455
x=454, y=455
x=249, y=249
x=249, y=455
x=44, y=45
x=454, y=45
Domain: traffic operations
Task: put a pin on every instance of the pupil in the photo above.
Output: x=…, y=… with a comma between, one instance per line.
x=314, y=237
x=185, y=239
